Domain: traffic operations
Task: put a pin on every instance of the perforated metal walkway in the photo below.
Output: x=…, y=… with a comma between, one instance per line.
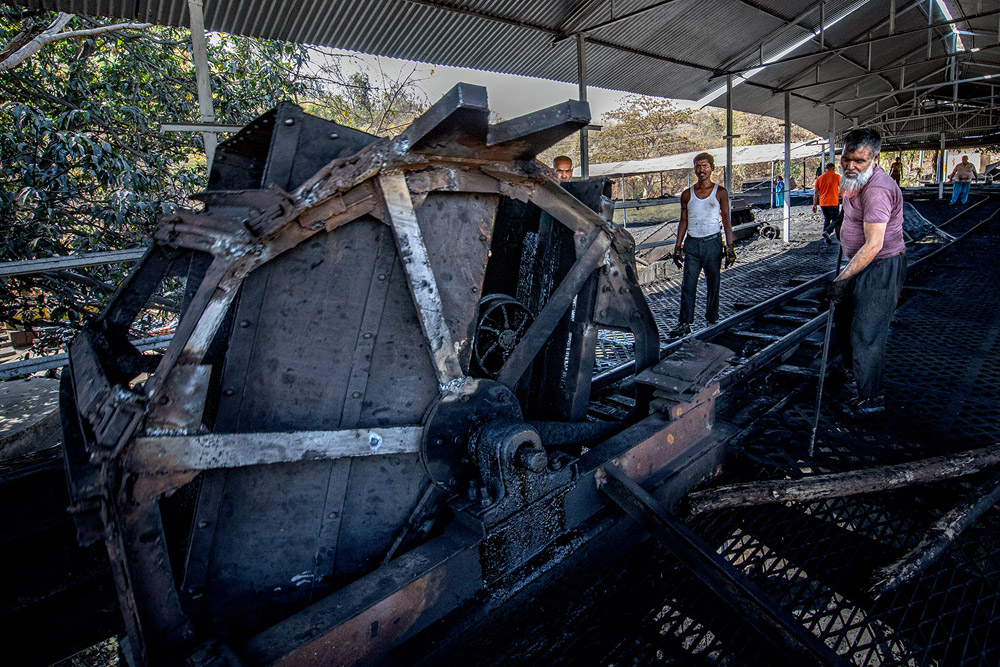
x=816, y=559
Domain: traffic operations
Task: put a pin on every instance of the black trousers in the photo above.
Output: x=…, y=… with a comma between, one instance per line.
x=701, y=253
x=830, y=215
x=862, y=320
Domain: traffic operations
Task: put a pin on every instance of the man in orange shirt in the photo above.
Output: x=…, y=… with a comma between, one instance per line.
x=827, y=193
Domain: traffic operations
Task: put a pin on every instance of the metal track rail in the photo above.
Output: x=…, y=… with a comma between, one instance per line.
x=773, y=322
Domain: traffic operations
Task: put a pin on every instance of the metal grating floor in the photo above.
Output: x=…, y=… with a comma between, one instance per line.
x=763, y=269
x=943, y=381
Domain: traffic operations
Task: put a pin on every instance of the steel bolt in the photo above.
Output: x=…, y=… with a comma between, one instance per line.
x=334, y=135
x=532, y=459
x=381, y=276
x=163, y=400
x=228, y=392
x=244, y=324
x=289, y=122
x=366, y=335
x=482, y=237
x=356, y=394
x=203, y=524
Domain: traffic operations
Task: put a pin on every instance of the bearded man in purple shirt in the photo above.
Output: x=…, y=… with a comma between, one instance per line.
x=866, y=291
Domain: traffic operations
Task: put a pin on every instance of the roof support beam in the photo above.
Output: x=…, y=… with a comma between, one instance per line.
x=830, y=56
x=889, y=68
x=857, y=43
x=930, y=86
x=573, y=22
x=569, y=29
x=789, y=24
x=899, y=61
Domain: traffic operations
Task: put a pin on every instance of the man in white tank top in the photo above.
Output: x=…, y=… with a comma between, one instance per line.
x=704, y=210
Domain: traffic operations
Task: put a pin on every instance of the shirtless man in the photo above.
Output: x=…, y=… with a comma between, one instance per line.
x=563, y=166
x=703, y=207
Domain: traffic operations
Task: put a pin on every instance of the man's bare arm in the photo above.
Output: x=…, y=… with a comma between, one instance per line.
x=682, y=226
x=874, y=238
x=727, y=225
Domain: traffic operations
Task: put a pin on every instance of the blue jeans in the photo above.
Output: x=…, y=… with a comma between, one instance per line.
x=960, y=188
x=704, y=253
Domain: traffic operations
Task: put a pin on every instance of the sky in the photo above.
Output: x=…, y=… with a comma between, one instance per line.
x=510, y=95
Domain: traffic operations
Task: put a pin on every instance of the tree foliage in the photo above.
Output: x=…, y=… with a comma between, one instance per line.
x=83, y=165
x=646, y=127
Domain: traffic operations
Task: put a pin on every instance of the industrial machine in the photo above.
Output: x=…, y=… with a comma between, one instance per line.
x=375, y=407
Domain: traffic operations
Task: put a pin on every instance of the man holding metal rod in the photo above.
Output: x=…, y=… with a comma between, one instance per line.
x=865, y=292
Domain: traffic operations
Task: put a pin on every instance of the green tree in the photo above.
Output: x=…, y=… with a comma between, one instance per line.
x=83, y=165
x=641, y=128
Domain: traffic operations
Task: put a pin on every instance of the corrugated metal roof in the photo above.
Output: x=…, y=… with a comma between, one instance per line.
x=671, y=50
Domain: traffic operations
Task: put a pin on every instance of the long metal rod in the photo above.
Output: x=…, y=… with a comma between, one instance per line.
x=35, y=364
x=45, y=264
x=581, y=64
x=823, y=360
x=731, y=586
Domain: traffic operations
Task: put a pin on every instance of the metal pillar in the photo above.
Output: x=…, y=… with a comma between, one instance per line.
x=581, y=64
x=788, y=165
x=624, y=208
x=199, y=53
x=772, y=183
x=941, y=166
x=833, y=135
x=729, y=133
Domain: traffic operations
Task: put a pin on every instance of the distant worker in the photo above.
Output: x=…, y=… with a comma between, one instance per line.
x=703, y=206
x=827, y=193
x=962, y=175
x=779, y=192
x=896, y=170
x=866, y=291
x=564, y=168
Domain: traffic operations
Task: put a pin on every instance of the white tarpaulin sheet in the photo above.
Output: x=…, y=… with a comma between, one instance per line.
x=741, y=155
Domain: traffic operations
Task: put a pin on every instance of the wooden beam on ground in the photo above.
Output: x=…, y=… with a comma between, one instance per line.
x=937, y=540
x=819, y=487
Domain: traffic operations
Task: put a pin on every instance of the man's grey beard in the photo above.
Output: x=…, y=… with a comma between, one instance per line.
x=850, y=186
